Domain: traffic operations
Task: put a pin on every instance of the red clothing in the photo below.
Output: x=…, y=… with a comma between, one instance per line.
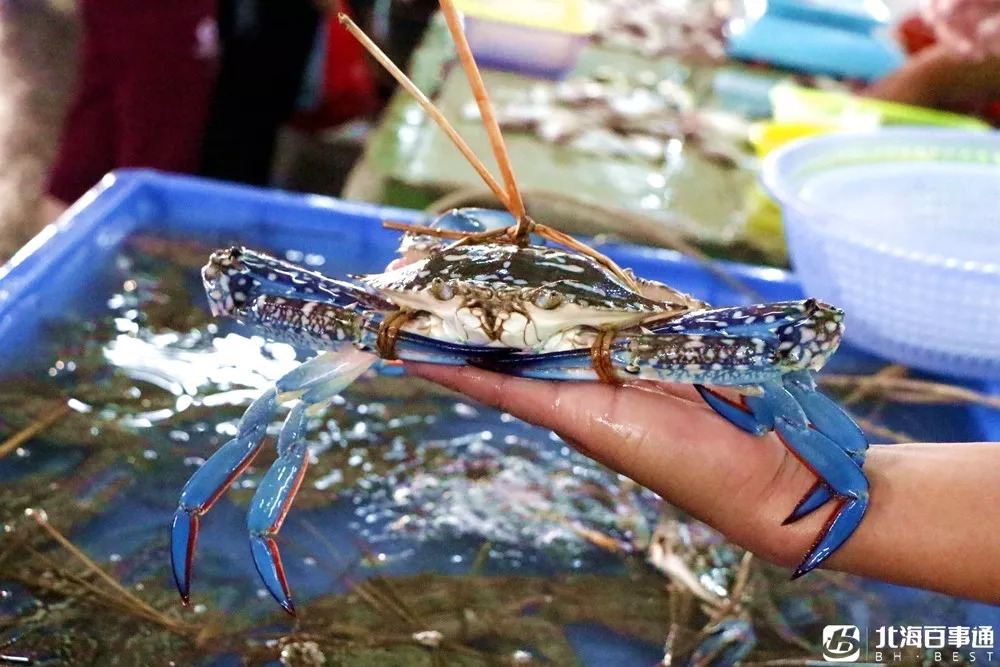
x=145, y=84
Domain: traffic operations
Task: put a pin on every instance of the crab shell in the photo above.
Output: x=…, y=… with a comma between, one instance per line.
x=512, y=296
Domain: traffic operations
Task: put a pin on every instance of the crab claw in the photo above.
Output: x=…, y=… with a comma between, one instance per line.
x=756, y=416
x=840, y=473
x=829, y=419
x=823, y=438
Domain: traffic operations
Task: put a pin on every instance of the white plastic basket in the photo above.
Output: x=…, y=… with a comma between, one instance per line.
x=901, y=228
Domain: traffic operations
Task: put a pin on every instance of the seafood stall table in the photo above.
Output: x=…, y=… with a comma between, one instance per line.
x=626, y=131
x=427, y=528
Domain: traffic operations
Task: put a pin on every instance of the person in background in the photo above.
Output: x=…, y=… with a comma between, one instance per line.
x=266, y=45
x=954, y=62
x=147, y=70
x=266, y=51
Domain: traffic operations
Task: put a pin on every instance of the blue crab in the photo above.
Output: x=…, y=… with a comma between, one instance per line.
x=497, y=299
x=532, y=311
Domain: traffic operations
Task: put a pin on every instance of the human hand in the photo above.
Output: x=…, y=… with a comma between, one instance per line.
x=667, y=439
x=969, y=27
x=939, y=77
x=929, y=524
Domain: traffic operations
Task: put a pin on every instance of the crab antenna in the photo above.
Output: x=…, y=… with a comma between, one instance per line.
x=428, y=106
x=490, y=123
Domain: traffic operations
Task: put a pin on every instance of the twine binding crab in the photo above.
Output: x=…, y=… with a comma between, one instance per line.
x=493, y=298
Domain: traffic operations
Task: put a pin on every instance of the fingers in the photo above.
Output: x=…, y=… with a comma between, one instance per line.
x=679, y=449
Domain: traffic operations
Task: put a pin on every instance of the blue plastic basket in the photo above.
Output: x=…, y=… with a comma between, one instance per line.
x=58, y=273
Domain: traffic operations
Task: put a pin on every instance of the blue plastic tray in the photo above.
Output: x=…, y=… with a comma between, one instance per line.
x=841, y=39
x=59, y=273
x=55, y=273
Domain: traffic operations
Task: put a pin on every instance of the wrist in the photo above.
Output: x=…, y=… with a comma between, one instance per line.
x=929, y=523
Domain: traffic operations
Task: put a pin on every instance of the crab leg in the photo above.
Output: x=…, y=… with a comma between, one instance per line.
x=272, y=501
x=238, y=276
x=759, y=319
x=210, y=481
x=318, y=325
x=754, y=416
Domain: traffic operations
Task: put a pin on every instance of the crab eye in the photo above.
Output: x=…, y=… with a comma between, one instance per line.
x=442, y=290
x=548, y=300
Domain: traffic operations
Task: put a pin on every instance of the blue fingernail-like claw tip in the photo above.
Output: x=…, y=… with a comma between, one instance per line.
x=272, y=573
x=816, y=497
x=844, y=520
x=183, y=537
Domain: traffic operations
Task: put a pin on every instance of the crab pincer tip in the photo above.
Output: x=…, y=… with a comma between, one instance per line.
x=815, y=497
x=288, y=607
x=183, y=537
x=272, y=573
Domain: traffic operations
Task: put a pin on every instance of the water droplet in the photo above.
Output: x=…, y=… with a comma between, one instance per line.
x=465, y=411
x=78, y=406
x=226, y=428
